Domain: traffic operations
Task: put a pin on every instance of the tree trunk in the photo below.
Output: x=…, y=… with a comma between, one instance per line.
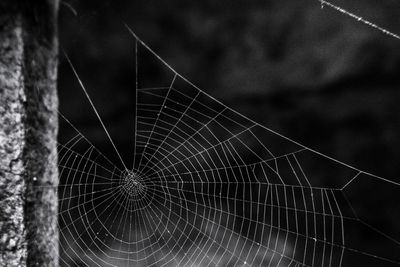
x=28, y=131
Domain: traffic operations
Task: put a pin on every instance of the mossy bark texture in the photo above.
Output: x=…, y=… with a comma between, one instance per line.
x=28, y=131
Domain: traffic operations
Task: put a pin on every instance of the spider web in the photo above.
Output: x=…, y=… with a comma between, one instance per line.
x=208, y=186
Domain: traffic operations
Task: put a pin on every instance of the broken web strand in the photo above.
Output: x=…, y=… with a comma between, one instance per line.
x=359, y=19
x=79, y=166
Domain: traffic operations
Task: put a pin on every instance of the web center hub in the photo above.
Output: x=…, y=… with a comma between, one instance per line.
x=132, y=183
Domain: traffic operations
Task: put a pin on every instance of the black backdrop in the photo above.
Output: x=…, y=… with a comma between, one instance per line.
x=316, y=76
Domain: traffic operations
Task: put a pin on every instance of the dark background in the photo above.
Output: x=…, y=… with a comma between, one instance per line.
x=312, y=74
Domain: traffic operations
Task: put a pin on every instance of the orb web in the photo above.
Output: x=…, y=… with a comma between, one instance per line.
x=210, y=187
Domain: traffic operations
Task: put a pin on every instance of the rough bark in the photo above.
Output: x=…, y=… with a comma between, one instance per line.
x=12, y=142
x=28, y=130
